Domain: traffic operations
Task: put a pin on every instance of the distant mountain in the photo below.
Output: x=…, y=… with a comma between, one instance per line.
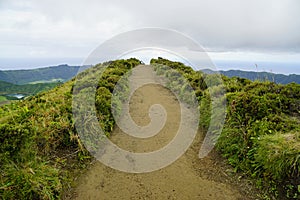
x=262, y=76
x=65, y=72
x=40, y=75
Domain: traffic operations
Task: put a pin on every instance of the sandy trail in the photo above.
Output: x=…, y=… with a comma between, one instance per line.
x=187, y=178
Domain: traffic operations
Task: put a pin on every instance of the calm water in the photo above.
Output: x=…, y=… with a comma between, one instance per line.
x=19, y=96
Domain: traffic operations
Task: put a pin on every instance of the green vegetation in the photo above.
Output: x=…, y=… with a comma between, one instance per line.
x=3, y=98
x=6, y=99
x=197, y=81
x=32, y=133
x=41, y=152
x=261, y=134
x=9, y=91
x=47, y=74
x=27, y=89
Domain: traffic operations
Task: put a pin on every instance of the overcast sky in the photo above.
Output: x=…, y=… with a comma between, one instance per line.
x=35, y=32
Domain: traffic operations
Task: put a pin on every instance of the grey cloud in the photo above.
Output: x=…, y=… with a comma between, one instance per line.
x=232, y=25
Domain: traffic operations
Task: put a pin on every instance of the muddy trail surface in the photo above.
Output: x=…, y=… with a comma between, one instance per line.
x=187, y=178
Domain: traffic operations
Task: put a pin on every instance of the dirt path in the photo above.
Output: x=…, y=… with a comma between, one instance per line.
x=187, y=178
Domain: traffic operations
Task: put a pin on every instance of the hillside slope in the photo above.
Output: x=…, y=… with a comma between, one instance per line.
x=41, y=152
x=40, y=148
x=47, y=74
x=27, y=89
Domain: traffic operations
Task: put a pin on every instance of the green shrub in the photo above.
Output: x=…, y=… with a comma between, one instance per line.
x=38, y=136
x=261, y=131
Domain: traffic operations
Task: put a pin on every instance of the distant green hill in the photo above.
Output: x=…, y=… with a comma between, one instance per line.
x=261, y=76
x=66, y=72
x=8, y=90
x=47, y=74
